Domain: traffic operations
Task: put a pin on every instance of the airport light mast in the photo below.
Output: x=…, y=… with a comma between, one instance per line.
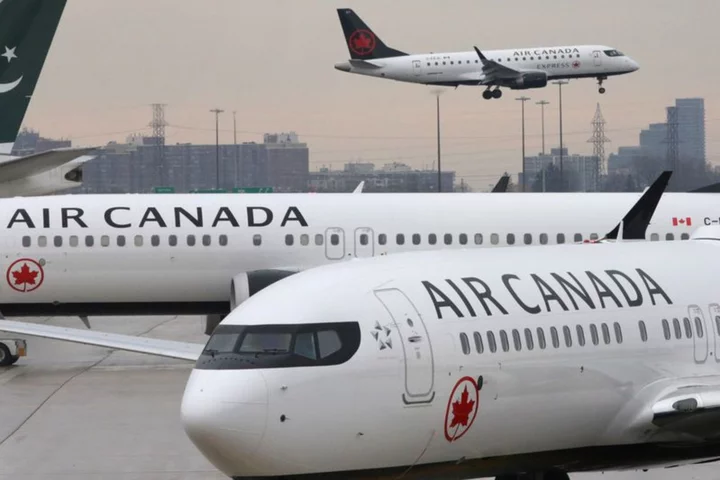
x=522, y=100
x=560, y=83
x=217, y=113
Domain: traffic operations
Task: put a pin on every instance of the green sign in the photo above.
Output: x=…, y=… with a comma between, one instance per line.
x=208, y=190
x=164, y=190
x=252, y=190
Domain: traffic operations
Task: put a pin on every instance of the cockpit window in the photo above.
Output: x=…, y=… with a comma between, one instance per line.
x=280, y=346
x=613, y=53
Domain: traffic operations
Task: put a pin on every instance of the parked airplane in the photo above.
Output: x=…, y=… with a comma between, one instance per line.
x=517, y=69
x=27, y=28
x=524, y=363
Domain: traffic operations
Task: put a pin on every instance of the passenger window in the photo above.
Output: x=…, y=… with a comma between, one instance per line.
x=676, y=327
x=462, y=238
x=89, y=240
x=328, y=342
x=57, y=241
x=654, y=237
x=543, y=239
x=304, y=239
x=527, y=238
x=618, y=333
x=560, y=238
x=688, y=327
x=26, y=242
x=516, y=339
x=491, y=342
x=594, y=334
x=554, y=336
x=191, y=240
x=447, y=239
x=465, y=344
x=139, y=240
x=363, y=239
x=120, y=240
x=494, y=238
x=172, y=240
x=643, y=331
x=685, y=236
x=257, y=239
x=400, y=239
x=289, y=239
x=105, y=241
x=42, y=241
x=155, y=240
x=432, y=239
x=528, y=339
x=594, y=236
x=666, y=329
x=578, y=237
x=511, y=239
x=334, y=239
x=669, y=236
x=223, y=240
x=699, y=327
x=478, y=342
x=580, y=335
x=319, y=239
x=541, y=338
x=568, y=336
x=478, y=239
x=606, y=333
x=504, y=341
x=416, y=239
x=74, y=241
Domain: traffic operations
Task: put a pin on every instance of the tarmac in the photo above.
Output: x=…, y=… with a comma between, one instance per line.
x=71, y=411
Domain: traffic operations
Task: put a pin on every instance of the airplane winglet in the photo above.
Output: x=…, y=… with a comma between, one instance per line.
x=634, y=224
x=359, y=188
x=501, y=185
x=483, y=58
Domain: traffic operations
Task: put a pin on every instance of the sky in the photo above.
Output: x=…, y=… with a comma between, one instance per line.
x=272, y=61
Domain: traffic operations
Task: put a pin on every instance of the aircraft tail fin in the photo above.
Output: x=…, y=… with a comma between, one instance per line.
x=27, y=28
x=362, y=42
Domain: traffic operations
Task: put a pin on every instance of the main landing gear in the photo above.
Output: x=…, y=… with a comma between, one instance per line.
x=549, y=475
x=7, y=356
x=601, y=89
x=488, y=94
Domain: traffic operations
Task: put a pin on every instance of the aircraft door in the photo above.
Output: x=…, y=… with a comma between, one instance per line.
x=715, y=320
x=417, y=68
x=364, y=242
x=597, y=58
x=415, y=342
x=335, y=243
x=700, y=334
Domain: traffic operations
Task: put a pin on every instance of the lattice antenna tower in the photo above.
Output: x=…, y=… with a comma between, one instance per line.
x=158, y=125
x=599, y=140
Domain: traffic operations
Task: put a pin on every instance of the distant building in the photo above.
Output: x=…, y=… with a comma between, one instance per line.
x=625, y=161
x=691, y=130
x=580, y=171
x=653, y=142
x=392, y=177
x=30, y=141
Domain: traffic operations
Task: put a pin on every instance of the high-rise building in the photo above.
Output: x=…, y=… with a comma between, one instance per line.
x=691, y=130
x=653, y=141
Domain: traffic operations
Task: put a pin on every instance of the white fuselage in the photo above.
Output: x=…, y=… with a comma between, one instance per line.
x=465, y=68
x=175, y=254
x=571, y=379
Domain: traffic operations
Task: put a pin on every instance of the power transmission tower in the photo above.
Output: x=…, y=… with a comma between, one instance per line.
x=672, y=140
x=158, y=125
x=598, y=140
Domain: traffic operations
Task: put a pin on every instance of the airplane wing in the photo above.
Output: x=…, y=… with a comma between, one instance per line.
x=691, y=410
x=712, y=188
x=494, y=70
x=152, y=346
x=21, y=167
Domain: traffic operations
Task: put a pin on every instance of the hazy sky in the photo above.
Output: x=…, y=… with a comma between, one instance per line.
x=272, y=61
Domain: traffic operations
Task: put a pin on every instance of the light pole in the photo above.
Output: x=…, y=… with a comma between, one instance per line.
x=437, y=102
x=217, y=113
x=560, y=83
x=522, y=103
x=542, y=104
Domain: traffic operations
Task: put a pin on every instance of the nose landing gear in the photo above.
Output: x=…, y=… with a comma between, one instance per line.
x=601, y=89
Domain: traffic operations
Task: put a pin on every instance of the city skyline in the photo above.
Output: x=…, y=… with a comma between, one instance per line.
x=279, y=76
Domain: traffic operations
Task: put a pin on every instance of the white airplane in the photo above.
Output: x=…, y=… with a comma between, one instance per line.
x=25, y=39
x=528, y=363
x=517, y=69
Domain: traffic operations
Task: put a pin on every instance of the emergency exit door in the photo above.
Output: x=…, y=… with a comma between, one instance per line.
x=417, y=68
x=335, y=243
x=700, y=337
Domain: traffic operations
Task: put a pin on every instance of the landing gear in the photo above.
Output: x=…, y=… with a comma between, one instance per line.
x=488, y=94
x=601, y=89
x=497, y=93
x=6, y=356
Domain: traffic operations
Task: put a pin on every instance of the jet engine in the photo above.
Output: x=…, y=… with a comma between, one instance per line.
x=529, y=80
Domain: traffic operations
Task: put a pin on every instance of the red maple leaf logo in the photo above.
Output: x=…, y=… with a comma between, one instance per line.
x=25, y=276
x=462, y=409
x=362, y=42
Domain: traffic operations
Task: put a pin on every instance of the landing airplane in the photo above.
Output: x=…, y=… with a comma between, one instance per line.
x=27, y=28
x=516, y=69
x=528, y=363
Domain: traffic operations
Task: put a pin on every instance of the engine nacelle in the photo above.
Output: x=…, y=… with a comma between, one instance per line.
x=247, y=284
x=530, y=80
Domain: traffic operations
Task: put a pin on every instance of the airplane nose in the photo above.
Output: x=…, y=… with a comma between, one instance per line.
x=343, y=66
x=633, y=65
x=224, y=414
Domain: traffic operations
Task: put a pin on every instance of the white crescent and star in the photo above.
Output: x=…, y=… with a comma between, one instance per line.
x=6, y=87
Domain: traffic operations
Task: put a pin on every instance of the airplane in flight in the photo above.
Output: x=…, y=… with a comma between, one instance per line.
x=516, y=68
x=528, y=363
x=27, y=29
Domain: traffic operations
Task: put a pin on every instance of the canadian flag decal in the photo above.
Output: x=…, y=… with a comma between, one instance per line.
x=685, y=221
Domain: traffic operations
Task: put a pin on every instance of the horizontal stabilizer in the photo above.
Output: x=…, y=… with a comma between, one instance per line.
x=363, y=64
x=151, y=346
x=20, y=167
x=712, y=188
